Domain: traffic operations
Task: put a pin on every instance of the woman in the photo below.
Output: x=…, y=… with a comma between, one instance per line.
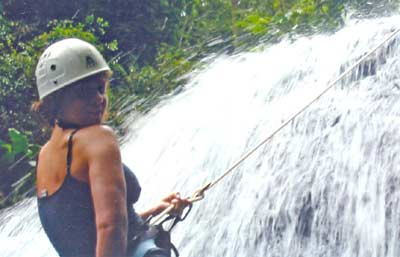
x=85, y=194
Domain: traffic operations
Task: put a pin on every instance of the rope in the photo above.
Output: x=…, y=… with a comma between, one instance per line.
x=199, y=194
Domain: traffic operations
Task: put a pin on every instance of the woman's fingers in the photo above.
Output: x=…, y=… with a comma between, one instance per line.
x=172, y=196
x=175, y=200
x=179, y=204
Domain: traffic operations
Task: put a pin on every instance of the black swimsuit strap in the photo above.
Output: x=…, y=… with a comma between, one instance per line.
x=69, y=153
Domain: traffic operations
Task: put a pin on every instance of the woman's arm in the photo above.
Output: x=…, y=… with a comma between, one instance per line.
x=108, y=190
x=171, y=199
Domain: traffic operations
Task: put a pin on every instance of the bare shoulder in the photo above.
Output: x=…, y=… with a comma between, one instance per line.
x=97, y=139
x=95, y=131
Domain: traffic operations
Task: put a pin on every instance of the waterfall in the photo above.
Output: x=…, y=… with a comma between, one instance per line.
x=325, y=185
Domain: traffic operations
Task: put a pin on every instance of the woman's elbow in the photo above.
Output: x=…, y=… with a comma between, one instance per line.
x=116, y=224
x=111, y=227
x=119, y=223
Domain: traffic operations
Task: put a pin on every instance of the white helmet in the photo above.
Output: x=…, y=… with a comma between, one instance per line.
x=66, y=62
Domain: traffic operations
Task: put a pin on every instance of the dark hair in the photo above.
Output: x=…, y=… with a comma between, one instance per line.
x=49, y=107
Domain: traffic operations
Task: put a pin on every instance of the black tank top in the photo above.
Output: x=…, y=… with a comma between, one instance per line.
x=67, y=216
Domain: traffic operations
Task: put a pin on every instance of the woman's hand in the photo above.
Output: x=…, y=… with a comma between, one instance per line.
x=172, y=199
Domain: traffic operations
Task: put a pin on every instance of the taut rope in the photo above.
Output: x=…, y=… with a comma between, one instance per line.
x=199, y=194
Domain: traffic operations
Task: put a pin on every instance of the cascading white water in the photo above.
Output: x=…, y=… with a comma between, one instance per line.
x=326, y=185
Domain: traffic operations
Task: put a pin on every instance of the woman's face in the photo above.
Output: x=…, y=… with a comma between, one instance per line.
x=85, y=103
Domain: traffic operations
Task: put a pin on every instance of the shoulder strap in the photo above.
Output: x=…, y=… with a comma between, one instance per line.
x=69, y=153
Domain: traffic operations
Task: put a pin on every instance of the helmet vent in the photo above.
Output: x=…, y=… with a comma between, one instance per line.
x=90, y=62
x=53, y=67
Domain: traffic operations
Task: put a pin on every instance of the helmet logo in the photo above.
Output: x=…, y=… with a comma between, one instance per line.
x=90, y=62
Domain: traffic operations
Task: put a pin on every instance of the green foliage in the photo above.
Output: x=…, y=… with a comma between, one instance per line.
x=16, y=91
x=90, y=30
x=19, y=144
x=276, y=18
x=255, y=23
x=16, y=166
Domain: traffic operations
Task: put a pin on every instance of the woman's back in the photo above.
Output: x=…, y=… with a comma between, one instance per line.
x=65, y=204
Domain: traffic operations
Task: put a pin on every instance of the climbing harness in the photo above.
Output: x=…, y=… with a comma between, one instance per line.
x=155, y=239
x=199, y=194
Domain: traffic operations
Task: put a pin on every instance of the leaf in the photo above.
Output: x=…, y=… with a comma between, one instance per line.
x=325, y=8
x=19, y=141
x=33, y=150
x=89, y=19
x=7, y=147
x=113, y=45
